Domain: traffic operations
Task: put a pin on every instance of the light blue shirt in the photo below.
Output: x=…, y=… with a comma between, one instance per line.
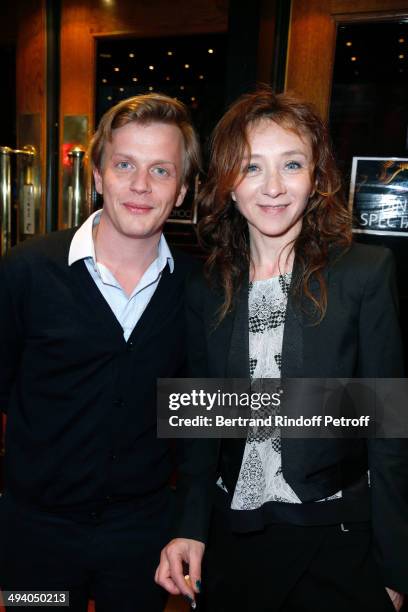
x=127, y=309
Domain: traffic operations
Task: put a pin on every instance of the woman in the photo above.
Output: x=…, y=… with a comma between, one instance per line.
x=296, y=524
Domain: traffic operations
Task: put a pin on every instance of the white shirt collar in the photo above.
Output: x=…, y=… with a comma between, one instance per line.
x=82, y=244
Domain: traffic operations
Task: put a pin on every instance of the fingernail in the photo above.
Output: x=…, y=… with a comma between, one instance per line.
x=198, y=585
x=190, y=601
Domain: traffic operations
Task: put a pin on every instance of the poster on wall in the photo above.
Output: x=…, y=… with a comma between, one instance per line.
x=379, y=195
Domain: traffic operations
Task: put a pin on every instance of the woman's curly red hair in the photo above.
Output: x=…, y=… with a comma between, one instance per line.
x=223, y=231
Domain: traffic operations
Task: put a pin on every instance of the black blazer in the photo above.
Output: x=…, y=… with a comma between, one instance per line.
x=358, y=337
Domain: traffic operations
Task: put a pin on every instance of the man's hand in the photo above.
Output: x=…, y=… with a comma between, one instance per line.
x=396, y=598
x=170, y=574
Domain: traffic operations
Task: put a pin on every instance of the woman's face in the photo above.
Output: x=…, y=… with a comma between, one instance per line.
x=276, y=181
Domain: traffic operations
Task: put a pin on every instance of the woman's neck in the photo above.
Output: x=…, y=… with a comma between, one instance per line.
x=270, y=258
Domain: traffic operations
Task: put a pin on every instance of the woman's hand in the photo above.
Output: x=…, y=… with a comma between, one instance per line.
x=170, y=574
x=396, y=598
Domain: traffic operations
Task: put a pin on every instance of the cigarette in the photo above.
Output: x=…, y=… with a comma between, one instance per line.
x=193, y=604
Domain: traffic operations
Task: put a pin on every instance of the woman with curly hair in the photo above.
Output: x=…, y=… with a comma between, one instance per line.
x=288, y=524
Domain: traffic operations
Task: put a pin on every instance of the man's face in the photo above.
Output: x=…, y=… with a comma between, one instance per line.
x=141, y=178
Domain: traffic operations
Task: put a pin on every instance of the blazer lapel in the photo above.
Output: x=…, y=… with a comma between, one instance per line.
x=237, y=365
x=301, y=358
x=292, y=344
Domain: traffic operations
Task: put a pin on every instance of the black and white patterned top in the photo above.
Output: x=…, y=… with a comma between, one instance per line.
x=260, y=479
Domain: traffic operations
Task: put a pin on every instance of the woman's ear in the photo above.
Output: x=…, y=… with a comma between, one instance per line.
x=233, y=196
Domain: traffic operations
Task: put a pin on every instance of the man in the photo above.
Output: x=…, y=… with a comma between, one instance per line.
x=89, y=320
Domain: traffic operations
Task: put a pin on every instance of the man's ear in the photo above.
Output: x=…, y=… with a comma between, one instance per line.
x=98, y=180
x=181, y=196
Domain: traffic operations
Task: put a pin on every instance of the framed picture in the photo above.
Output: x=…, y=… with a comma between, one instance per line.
x=379, y=195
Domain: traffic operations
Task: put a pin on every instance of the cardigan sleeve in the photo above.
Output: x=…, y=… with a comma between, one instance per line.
x=11, y=331
x=381, y=357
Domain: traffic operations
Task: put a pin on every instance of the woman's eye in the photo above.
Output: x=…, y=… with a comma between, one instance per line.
x=293, y=165
x=251, y=168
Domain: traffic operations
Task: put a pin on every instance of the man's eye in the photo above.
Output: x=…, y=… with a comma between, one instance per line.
x=161, y=171
x=293, y=165
x=123, y=165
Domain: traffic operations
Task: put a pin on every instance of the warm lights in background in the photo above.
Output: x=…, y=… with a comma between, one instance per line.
x=353, y=50
x=181, y=66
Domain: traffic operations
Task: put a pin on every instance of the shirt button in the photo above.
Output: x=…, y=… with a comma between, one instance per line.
x=130, y=346
x=113, y=457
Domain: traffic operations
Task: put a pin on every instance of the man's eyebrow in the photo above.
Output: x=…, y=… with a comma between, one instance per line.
x=156, y=161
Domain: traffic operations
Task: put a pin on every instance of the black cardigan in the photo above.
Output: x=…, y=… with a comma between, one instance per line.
x=81, y=401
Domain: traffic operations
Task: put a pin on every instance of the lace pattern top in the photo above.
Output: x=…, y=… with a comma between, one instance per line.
x=260, y=479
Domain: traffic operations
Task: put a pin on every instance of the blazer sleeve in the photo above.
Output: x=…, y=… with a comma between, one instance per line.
x=381, y=356
x=197, y=457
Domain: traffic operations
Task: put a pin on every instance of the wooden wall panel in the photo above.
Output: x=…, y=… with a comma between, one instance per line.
x=160, y=17
x=367, y=6
x=31, y=57
x=311, y=51
x=31, y=74
x=77, y=60
x=312, y=40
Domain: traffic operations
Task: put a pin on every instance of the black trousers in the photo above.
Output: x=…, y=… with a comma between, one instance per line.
x=287, y=568
x=109, y=556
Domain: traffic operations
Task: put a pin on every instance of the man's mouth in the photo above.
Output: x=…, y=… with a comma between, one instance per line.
x=137, y=208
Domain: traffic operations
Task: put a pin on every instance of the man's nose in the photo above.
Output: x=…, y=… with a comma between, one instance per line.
x=140, y=180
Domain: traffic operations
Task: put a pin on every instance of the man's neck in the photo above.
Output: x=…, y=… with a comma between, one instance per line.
x=126, y=257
